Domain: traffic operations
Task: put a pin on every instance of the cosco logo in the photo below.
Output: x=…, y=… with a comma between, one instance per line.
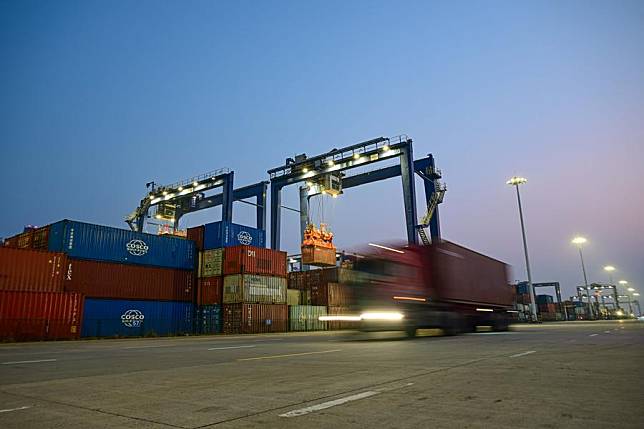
x=132, y=318
x=137, y=247
x=244, y=237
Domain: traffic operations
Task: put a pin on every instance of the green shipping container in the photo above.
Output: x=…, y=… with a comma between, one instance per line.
x=254, y=289
x=210, y=262
x=293, y=297
x=306, y=318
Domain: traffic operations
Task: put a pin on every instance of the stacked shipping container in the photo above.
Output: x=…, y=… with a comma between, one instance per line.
x=33, y=304
x=239, y=279
x=321, y=288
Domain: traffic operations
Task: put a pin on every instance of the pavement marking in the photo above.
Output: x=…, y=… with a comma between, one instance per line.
x=28, y=361
x=13, y=409
x=593, y=335
x=329, y=404
x=289, y=355
x=606, y=332
x=523, y=354
x=150, y=347
x=231, y=347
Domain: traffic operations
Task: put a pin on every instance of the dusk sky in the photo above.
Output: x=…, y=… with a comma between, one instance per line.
x=98, y=98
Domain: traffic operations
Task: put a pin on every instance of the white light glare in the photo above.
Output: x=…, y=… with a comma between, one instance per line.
x=385, y=248
x=381, y=316
x=484, y=309
x=339, y=318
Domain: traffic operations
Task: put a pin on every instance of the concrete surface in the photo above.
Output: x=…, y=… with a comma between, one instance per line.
x=574, y=374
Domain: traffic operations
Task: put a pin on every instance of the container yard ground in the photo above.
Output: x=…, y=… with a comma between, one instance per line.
x=580, y=375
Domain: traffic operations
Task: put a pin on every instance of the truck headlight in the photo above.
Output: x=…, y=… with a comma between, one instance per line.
x=388, y=315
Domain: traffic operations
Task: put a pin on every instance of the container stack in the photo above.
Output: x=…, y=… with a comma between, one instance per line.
x=241, y=284
x=326, y=288
x=33, y=303
x=547, y=308
x=135, y=284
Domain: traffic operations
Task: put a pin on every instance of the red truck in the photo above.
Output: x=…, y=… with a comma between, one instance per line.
x=443, y=285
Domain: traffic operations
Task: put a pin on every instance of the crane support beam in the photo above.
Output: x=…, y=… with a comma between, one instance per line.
x=257, y=191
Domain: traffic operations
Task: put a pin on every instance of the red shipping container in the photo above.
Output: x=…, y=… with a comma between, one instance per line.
x=196, y=234
x=125, y=281
x=209, y=290
x=255, y=318
x=40, y=315
x=254, y=260
x=30, y=270
x=331, y=294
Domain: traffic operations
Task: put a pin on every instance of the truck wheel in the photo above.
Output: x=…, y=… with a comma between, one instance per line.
x=500, y=325
x=454, y=324
x=410, y=331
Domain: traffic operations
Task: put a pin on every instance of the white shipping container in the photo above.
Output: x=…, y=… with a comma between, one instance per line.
x=254, y=289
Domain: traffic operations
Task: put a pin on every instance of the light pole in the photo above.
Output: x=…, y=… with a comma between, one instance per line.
x=579, y=241
x=609, y=269
x=516, y=181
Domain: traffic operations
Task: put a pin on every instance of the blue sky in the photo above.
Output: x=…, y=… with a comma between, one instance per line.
x=100, y=97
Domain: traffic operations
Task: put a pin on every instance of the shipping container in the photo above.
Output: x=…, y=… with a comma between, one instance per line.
x=331, y=294
x=40, y=315
x=252, y=288
x=30, y=270
x=318, y=256
x=341, y=324
x=209, y=290
x=544, y=299
x=306, y=279
x=41, y=238
x=254, y=260
x=306, y=318
x=96, y=279
x=458, y=274
x=26, y=240
x=102, y=243
x=210, y=262
x=209, y=319
x=196, y=234
x=293, y=297
x=135, y=318
x=226, y=234
x=255, y=318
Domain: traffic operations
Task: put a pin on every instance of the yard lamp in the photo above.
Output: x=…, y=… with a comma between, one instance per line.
x=516, y=181
x=580, y=241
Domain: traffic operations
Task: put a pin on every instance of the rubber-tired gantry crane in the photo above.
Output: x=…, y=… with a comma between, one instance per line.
x=326, y=173
x=190, y=195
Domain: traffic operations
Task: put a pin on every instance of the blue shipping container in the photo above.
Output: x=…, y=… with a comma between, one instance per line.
x=135, y=318
x=209, y=319
x=226, y=234
x=104, y=243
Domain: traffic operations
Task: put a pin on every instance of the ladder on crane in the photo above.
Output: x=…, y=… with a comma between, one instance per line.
x=437, y=198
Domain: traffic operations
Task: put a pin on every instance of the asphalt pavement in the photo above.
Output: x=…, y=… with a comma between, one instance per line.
x=552, y=375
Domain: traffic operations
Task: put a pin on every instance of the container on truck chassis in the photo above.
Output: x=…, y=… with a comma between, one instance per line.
x=442, y=285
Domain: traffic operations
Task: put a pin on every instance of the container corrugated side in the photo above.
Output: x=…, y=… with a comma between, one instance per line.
x=254, y=318
x=196, y=234
x=97, y=279
x=293, y=296
x=103, y=243
x=341, y=311
x=306, y=318
x=331, y=294
x=209, y=319
x=225, y=234
x=30, y=270
x=306, y=279
x=209, y=290
x=40, y=315
x=252, y=288
x=210, y=262
x=254, y=260
x=136, y=318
